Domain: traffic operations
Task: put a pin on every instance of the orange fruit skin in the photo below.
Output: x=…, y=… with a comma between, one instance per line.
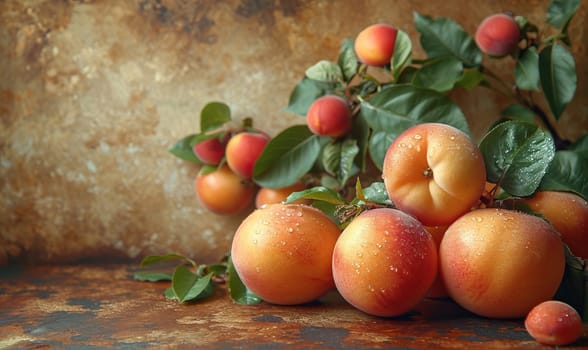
x=498, y=35
x=224, y=192
x=267, y=195
x=243, y=150
x=329, y=115
x=554, y=323
x=500, y=263
x=568, y=213
x=438, y=289
x=282, y=252
x=384, y=262
x=434, y=172
x=374, y=45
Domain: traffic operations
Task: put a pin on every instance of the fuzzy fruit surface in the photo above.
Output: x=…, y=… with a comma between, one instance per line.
x=243, y=150
x=374, y=45
x=211, y=151
x=224, y=192
x=329, y=116
x=554, y=323
x=500, y=263
x=384, y=262
x=282, y=252
x=568, y=213
x=267, y=195
x=434, y=172
x=498, y=35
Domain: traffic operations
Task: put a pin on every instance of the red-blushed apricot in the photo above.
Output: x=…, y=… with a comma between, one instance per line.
x=500, y=263
x=498, y=35
x=384, y=262
x=282, y=253
x=554, y=322
x=434, y=172
x=438, y=289
x=568, y=213
x=243, y=150
x=224, y=192
x=374, y=45
x=329, y=115
x=267, y=195
x=211, y=151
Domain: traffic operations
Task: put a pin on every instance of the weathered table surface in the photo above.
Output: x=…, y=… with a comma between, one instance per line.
x=102, y=307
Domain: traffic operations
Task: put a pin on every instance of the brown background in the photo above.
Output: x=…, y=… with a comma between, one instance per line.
x=93, y=93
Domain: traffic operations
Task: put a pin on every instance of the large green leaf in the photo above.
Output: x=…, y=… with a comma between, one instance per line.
x=560, y=12
x=580, y=146
x=557, y=71
x=238, y=291
x=440, y=73
x=338, y=159
x=306, y=91
x=517, y=155
x=187, y=286
x=402, y=53
x=376, y=193
x=325, y=71
x=287, y=157
x=347, y=60
x=360, y=131
x=470, y=79
x=380, y=141
x=567, y=172
x=443, y=37
x=518, y=112
x=214, y=115
x=527, y=70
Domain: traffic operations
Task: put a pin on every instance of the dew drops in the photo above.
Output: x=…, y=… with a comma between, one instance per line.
x=417, y=137
x=452, y=138
x=254, y=241
x=290, y=229
x=282, y=243
x=299, y=214
x=359, y=254
x=265, y=222
x=371, y=288
x=393, y=268
x=257, y=269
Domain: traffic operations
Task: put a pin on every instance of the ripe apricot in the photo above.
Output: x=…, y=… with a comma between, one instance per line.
x=554, y=322
x=501, y=263
x=384, y=262
x=329, y=115
x=267, y=195
x=243, y=150
x=568, y=213
x=374, y=45
x=224, y=192
x=282, y=252
x=434, y=172
x=211, y=151
x=498, y=35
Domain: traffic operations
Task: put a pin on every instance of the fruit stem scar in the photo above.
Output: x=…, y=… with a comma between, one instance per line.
x=428, y=172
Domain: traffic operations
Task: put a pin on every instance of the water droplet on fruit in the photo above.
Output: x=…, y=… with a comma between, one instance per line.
x=359, y=254
x=299, y=214
x=452, y=138
x=282, y=243
x=265, y=222
x=393, y=268
x=257, y=269
x=254, y=241
x=417, y=137
x=371, y=288
x=379, y=245
x=290, y=229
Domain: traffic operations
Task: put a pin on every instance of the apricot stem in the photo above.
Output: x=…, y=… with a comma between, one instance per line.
x=428, y=173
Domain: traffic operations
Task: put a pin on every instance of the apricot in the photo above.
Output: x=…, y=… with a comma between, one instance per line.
x=211, y=151
x=224, y=192
x=374, y=45
x=434, y=172
x=267, y=195
x=329, y=115
x=500, y=263
x=243, y=150
x=498, y=35
x=568, y=213
x=384, y=262
x=282, y=253
x=554, y=322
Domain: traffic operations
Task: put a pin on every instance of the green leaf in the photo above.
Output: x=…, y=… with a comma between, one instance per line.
x=325, y=71
x=155, y=259
x=182, y=281
x=183, y=148
x=152, y=276
x=573, y=288
x=201, y=289
x=287, y=157
x=440, y=73
x=376, y=193
x=402, y=53
x=360, y=131
x=214, y=115
x=580, y=146
x=338, y=159
x=318, y=193
x=470, y=79
x=567, y=172
x=443, y=37
x=169, y=294
x=306, y=91
x=527, y=70
x=518, y=112
x=379, y=143
x=347, y=60
x=557, y=71
x=238, y=291
x=560, y=12
x=517, y=155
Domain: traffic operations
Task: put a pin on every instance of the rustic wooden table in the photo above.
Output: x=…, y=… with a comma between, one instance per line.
x=102, y=307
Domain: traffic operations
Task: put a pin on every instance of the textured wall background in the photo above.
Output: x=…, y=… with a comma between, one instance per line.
x=92, y=94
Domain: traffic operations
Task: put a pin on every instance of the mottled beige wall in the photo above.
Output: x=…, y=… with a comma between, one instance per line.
x=92, y=94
